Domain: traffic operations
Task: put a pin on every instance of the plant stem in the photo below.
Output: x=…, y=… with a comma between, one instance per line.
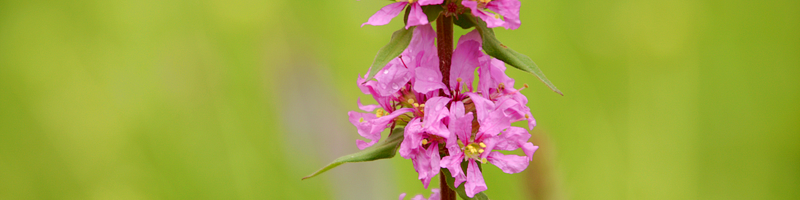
x=444, y=44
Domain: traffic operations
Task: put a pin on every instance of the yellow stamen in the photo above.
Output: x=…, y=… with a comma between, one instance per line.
x=421, y=105
x=482, y=145
x=361, y=120
x=380, y=113
x=410, y=101
x=497, y=16
x=480, y=150
x=424, y=141
x=501, y=86
x=483, y=160
x=416, y=105
x=458, y=79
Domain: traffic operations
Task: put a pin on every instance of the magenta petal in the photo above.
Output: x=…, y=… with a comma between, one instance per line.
x=385, y=14
x=416, y=16
x=509, y=9
x=435, y=195
x=529, y=149
x=489, y=18
x=361, y=144
x=409, y=147
x=435, y=111
x=402, y=196
x=465, y=60
x=508, y=163
x=367, y=108
x=418, y=197
x=475, y=183
x=471, y=36
x=428, y=80
x=429, y=2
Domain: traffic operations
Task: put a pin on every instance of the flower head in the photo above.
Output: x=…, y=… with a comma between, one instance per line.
x=415, y=16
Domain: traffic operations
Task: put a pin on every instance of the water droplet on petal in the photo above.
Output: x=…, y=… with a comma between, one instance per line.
x=385, y=71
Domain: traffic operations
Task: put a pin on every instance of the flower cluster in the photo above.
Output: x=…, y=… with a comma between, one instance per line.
x=454, y=125
x=468, y=124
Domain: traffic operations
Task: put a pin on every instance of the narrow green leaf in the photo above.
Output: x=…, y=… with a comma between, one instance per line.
x=399, y=42
x=386, y=149
x=460, y=189
x=494, y=48
x=463, y=21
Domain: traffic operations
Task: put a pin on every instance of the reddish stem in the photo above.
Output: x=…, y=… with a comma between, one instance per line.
x=444, y=44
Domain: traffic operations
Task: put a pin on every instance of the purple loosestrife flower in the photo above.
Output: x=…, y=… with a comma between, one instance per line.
x=392, y=88
x=477, y=146
x=509, y=9
x=415, y=17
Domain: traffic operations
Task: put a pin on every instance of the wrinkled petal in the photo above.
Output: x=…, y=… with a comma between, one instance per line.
x=435, y=111
x=509, y=9
x=475, y=183
x=508, y=163
x=370, y=126
x=416, y=16
x=391, y=79
x=460, y=124
x=411, y=142
x=428, y=80
x=385, y=14
x=512, y=138
x=465, y=60
x=489, y=18
x=367, y=108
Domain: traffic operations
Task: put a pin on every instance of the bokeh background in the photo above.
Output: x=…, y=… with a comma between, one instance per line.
x=683, y=99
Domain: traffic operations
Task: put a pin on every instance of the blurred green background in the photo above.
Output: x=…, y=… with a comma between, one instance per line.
x=681, y=99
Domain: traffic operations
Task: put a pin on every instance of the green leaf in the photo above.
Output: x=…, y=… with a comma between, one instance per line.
x=387, y=149
x=432, y=11
x=399, y=42
x=494, y=48
x=463, y=21
x=460, y=189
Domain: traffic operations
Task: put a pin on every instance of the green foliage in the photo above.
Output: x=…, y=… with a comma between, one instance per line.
x=387, y=149
x=463, y=21
x=399, y=42
x=494, y=48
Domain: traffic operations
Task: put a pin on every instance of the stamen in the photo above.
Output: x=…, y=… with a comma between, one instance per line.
x=482, y=145
x=416, y=105
x=361, y=120
x=424, y=141
x=411, y=101
x=458, y=79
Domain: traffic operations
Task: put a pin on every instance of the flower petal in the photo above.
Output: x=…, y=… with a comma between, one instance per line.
x=509, y=9
x=385, y=14
x=465, y=60
x=489, y=18
x=508, y=163
x=429, y=2
x=475, y=183
x=453, y=164
x=416, y=16
x=367, y=108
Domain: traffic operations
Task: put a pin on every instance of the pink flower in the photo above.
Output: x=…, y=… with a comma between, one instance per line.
x=495, y=132
x=509, y=9
x=415, y=17
x=422, y=138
